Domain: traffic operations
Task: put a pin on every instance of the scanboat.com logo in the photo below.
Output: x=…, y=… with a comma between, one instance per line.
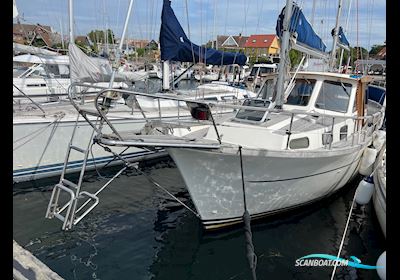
x=329, y=260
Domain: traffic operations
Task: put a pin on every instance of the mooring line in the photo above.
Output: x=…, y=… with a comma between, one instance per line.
x=251, y=256
x=351, y=210
x=128, y=164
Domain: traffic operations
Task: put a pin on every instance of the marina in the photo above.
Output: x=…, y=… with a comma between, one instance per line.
x=259, y=156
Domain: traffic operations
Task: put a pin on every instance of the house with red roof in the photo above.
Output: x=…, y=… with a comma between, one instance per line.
x=262, y=45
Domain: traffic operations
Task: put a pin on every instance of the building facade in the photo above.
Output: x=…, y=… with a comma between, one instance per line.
x=266, y=45
x=26, y=34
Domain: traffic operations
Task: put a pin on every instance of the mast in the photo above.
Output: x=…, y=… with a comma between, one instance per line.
x=62, y=34
x=284, y=54
x=165, y=75
x=71, y=21
x=121, y=42
x=347, y=25
x=335, y=37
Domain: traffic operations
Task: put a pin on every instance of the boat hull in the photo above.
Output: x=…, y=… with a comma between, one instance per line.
x=379, y=199
x=274, y=182
x=44, y=155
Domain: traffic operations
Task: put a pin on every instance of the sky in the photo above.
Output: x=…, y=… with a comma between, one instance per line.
x=208, y=18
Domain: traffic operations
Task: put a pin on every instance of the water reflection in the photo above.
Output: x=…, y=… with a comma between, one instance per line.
x=138, y=232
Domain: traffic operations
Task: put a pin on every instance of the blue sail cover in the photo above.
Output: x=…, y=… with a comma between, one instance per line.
x=176, y=46
x=300, y=25
x=342, y=37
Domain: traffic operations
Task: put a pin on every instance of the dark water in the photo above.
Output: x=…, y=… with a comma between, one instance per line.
x=138, y=232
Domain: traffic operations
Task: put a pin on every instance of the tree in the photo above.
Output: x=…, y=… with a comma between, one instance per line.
x=362, y=53
x=97, y=36
x=295, y=57
x=140, y=51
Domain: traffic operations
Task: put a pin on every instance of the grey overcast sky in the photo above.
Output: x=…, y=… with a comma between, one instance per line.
x=207, y=18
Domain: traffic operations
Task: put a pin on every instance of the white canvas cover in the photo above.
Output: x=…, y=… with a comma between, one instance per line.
x=89, y=69
x=15, y=10
x=32, y=50
x=42, y=59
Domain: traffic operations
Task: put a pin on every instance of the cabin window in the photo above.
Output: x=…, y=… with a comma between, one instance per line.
x=211, y=98
x=252, y=115
x=334, y=96
x=343, y=132
x=327, y=138
x=301, y=92
x=230, y=97
x=253, y=71
x=265, y=70
x=299, y=143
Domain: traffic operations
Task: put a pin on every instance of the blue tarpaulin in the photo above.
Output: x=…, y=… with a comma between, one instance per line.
x=300, y=25
x=176, y=46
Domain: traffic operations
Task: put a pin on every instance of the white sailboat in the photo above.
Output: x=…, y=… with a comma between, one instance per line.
x=41, y=131
x=300, y=140
x=48, y=128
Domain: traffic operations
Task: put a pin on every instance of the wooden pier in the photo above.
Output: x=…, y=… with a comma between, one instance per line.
x=27, y=267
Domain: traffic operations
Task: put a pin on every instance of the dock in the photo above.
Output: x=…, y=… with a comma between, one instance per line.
x=27, y=267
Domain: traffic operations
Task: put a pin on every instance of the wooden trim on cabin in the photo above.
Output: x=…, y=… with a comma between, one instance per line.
x=360, y=98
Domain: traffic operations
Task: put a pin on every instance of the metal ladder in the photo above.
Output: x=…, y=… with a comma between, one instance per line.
x=54, y=209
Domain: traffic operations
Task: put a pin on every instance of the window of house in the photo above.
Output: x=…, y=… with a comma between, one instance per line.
x=265, y=40
x=301, y=92
x=334, y=96
x=254, y=40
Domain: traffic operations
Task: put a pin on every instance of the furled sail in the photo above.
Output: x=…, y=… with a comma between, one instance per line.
x=32, y=50
x=342, y=37
x=301, y=28
x=90, y=69
x=176, y=46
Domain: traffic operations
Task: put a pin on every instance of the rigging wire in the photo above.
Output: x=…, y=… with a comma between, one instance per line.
x=188, y=26
x=369, y=24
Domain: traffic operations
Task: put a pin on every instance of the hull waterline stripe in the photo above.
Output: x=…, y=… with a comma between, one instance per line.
x=73, y=165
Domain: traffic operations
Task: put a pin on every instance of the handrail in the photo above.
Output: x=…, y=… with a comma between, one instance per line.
x=102, y=113
x=217, y=104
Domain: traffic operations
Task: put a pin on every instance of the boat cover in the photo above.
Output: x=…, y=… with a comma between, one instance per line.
x=303, y=29
x=90, y=69
x=342, y=37
x=176, y=46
